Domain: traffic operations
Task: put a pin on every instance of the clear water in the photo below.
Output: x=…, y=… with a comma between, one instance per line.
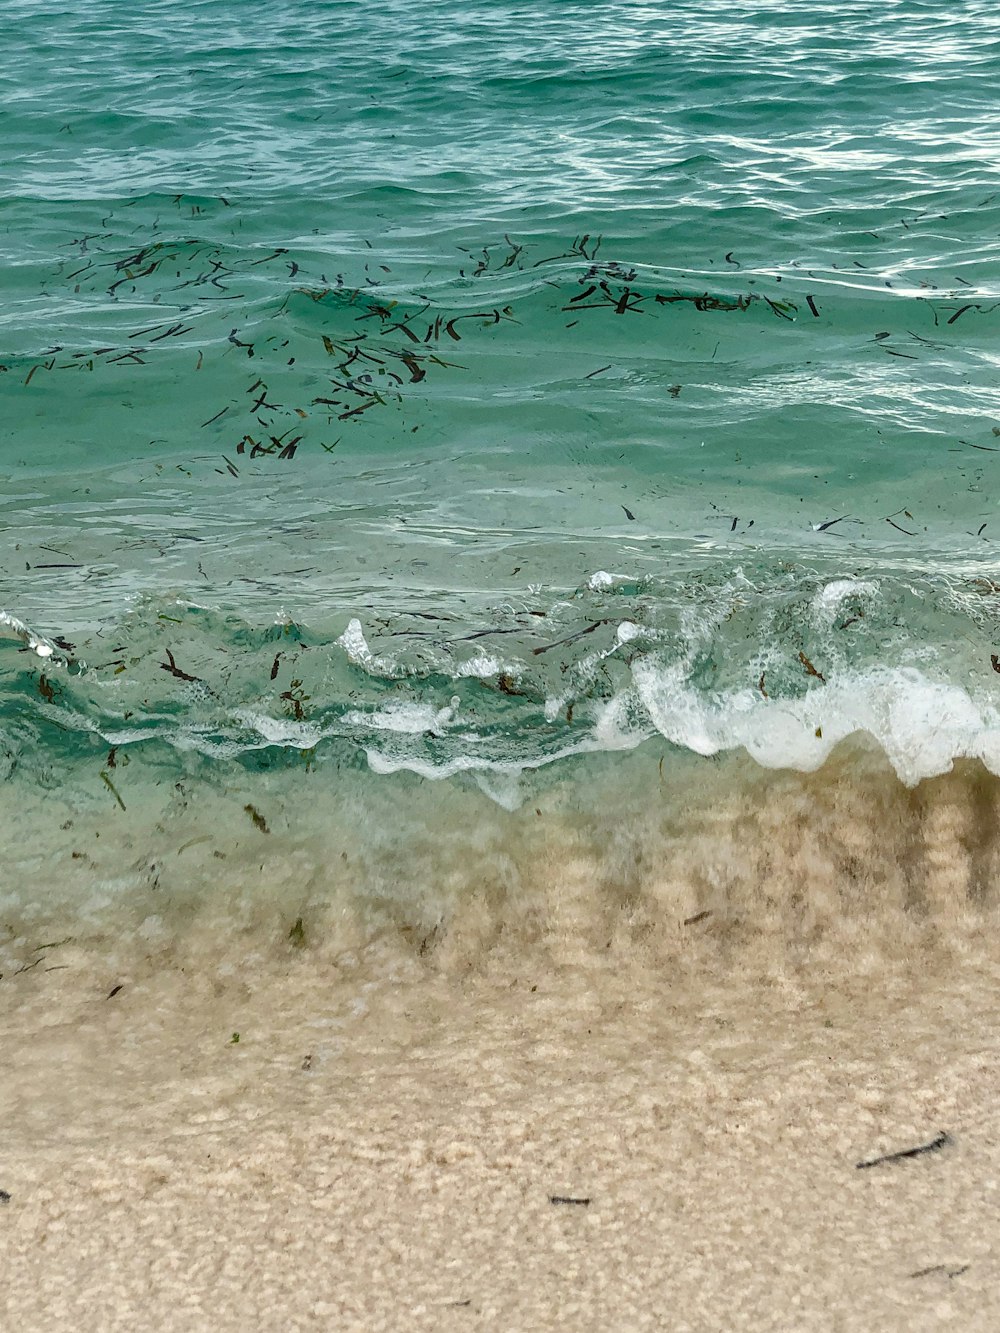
x=469, y=390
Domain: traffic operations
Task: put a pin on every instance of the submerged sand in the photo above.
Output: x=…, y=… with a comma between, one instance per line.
x=381, y=1147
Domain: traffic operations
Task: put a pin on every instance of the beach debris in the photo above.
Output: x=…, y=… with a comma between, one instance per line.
x=105, y=778
x=4, y=1196
x=698, y=916
x=941, y=1268
x=621, y=302
x=379, y=346
x=570, y=638
x=940, y=1140
x=703, y=302
x=171, y=666
x=194, y=842
x=628, y=514
x=782, y=308
x=577, y=250
x=583, y=1202
x=995, y=662
x=54, y=944
x=114, y=990
x=906, y=531
x=234, y=1040
x=297, y=934
x=810, y=669
x=258, y=820
x=295, y=696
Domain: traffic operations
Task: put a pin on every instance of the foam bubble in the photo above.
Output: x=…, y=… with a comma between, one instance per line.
x=407, y=717
x=600, y=581
x=41, y=647
x=827, y=602
x=281, y=731
x=480, y=667
x=355, y=645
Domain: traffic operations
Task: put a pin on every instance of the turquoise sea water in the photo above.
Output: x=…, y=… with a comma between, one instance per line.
x=473, y=392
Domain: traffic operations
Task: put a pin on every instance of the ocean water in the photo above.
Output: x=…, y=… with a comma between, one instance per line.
x=528, y=464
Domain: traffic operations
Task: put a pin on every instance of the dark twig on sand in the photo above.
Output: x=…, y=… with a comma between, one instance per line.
x=941, y=1268
x=698, y=916
x=940, y=1141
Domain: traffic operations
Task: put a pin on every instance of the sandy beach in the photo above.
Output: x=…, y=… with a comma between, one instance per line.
x=387, y=1143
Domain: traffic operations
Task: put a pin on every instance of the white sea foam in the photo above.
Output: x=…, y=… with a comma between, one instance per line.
x=359, y=654
x=506, y=788
x=600, y=581
x=922, y=725
x=380, y=761
x=280, y=730
x=355, y=645
x=28, y=637
x=480, y=667
x=828, y=601
x=404, y=716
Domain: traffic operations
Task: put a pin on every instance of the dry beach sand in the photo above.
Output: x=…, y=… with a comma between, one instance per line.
x=382, y=1146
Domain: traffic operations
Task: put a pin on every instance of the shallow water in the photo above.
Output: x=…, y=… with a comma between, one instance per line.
x=474, y=394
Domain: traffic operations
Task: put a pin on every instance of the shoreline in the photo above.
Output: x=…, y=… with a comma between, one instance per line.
x=699, y=863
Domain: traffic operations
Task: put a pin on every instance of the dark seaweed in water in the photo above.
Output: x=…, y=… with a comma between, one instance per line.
x=676, y=428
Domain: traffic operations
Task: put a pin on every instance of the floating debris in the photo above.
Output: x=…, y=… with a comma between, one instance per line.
x=256, y=818
x=106, y=779
x=810, y=669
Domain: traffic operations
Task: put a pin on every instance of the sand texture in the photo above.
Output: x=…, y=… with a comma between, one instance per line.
x=381, y=1147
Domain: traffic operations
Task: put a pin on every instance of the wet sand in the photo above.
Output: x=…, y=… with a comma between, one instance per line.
x=381, y=1147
